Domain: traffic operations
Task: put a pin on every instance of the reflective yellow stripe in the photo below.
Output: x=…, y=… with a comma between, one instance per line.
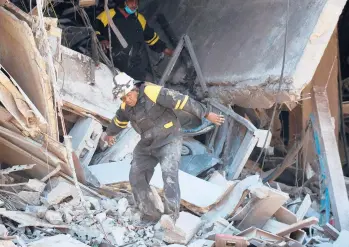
x=152, y=39
x=184, y=102
x=152, y=91
x=104, y=18
x=120, y=124
x=168, y=125
x=98, y=33
x=123, y=106
x=177, y=105
x=142, y=20
x=156, y=40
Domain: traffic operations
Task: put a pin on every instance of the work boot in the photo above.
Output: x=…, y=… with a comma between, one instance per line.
x=167, y=222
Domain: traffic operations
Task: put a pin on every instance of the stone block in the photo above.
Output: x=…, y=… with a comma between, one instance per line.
x=61, y=192
x=54, y=217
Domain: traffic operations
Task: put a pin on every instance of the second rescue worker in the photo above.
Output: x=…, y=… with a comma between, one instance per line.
x=135, y=30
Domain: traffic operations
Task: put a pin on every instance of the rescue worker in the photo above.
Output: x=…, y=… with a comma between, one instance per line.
x=135, y=30
x=151, y=110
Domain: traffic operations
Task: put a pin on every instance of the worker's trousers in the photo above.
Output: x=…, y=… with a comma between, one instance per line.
x=144, y=162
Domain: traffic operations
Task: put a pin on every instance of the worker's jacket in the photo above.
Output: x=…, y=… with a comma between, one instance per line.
x=134, y=29
x=153, y=117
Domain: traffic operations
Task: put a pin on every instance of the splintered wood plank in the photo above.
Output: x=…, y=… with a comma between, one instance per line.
x=299, y=225
x=285, y=216
x=264, y=209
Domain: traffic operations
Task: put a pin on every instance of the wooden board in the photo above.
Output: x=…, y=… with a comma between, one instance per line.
x=299, y=225
x=285, y=216
x=264, y=209
x=191, y=187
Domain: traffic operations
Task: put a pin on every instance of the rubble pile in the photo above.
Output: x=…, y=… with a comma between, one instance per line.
x=227, y=197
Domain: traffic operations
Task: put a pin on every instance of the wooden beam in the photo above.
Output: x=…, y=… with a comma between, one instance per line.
x=331, y=160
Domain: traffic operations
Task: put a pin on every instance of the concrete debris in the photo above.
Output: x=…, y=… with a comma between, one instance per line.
x=184, y=230
x=228, y=197
x=122, y=206
x=54, y=217
x=35, y=185
x=62, y=191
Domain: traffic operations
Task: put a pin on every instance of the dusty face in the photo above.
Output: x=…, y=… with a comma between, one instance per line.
x=132, y=4
x=131, y=98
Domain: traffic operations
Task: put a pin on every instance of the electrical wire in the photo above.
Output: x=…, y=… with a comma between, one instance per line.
x=279, y=89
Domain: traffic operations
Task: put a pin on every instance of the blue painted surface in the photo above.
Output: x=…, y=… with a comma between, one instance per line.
x=325, y=205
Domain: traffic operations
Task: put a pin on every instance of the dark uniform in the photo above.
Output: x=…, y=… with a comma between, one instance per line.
x=136, y=31
x=153, y=117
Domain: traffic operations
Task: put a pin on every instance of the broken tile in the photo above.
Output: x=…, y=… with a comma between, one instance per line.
x=186, y=227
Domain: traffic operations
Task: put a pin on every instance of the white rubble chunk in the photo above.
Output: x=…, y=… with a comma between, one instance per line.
x=1, y=203
x=202, y=243
x=118, y=234
x=54, y=217
x=61, y=192
x=122, y=205
x=167, y=222
x=109, y=204
x=3, y=231
x=30, y=197
x=94, y=201
x=101, y=217
x=36, y=185
x=185, y=228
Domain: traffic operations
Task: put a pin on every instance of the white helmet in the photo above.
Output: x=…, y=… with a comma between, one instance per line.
x=123, y=84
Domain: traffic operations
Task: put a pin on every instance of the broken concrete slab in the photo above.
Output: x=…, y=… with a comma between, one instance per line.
x=61, y=192
x=57, y=241
x=299, y=225
x=25, y=219
x=118, y=172
x=231, y=201
x=264, y=209
x=185, y=228
x=118, y=234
